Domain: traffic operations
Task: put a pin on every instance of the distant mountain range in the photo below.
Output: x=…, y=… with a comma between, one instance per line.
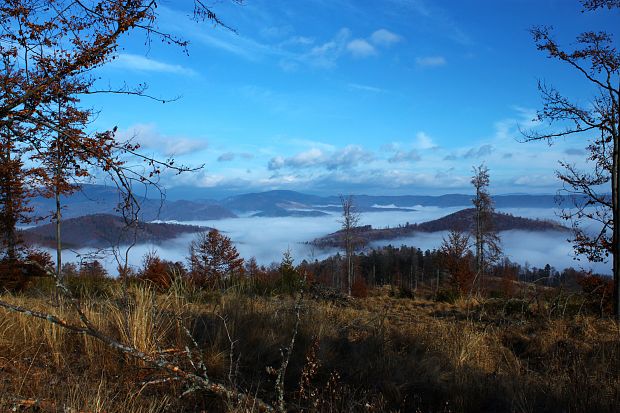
x=104, y=231
x=462, y=221
x=98, y=199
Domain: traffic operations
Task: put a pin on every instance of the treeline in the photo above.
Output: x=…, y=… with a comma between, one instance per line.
x=214, y=264
x=409, y=266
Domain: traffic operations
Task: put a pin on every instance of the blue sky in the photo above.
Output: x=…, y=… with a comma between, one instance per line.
x=352, y=96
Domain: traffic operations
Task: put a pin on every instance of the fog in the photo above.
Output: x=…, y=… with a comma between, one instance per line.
x=266, y=238
x=535, y=249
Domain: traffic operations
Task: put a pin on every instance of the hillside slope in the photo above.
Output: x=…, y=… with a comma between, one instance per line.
x=105, y=230
x=460, y=220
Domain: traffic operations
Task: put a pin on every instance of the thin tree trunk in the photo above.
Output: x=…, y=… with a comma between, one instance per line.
x=616, y=226
x=58, y=239
x=11, y=233
x=350, y=272
x=478, y=242
x=57, y=188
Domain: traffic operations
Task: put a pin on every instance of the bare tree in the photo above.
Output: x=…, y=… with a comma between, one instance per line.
x=597, y=60
x=486, y=240
x=48, y=51
x=48, y=48
x=350, y=221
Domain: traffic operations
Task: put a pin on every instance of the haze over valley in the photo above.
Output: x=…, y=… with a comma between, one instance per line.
x=265, y=225
x=343, y=206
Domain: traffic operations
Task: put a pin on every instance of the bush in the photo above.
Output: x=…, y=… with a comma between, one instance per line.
x=598, y=292
x=402, y=291
x=359, y=288
x=447, y=296
x=516, y=306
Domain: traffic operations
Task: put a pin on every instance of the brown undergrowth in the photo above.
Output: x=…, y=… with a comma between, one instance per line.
x=378, y=353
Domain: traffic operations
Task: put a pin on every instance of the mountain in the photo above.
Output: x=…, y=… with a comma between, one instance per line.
x=98, y=199
x=461, y=220
x=105, y=230
x=187, y=211
x=274, y=204
x=291, y=203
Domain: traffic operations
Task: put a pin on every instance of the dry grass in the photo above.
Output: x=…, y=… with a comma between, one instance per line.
x=375, y=354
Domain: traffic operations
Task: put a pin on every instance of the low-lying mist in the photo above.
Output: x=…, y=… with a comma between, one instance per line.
x=266, y=238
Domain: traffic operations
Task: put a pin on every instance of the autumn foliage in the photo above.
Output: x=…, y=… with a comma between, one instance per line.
x=598, y=292
x=456, y=258
x=359, y=288
x=213, y=258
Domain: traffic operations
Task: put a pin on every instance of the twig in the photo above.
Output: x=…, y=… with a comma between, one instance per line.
x=29, y=368
x=231, y=353
x=287, y=357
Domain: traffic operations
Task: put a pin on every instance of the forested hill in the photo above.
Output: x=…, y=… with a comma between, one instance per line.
x=461, y=220
x=105, y=230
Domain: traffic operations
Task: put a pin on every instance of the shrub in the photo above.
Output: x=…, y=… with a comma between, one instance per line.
x=359, y=288
x=447, y=296
x=598, y=292
x=212, y=258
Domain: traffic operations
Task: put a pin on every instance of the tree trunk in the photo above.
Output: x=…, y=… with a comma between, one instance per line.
x=478, y=243
x=11, y=221
x=57, y=190
x=58, y=239
x=616, y=226
x=349, y=272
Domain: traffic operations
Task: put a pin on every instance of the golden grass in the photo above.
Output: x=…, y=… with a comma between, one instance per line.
x=379, y=353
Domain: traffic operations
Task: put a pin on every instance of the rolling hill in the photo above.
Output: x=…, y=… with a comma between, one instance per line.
x=105, y=230
x=460, y=220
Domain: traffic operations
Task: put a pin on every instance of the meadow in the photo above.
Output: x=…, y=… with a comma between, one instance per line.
x=540, y=350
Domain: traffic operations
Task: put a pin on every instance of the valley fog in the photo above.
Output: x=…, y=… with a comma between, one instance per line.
x=266, y=238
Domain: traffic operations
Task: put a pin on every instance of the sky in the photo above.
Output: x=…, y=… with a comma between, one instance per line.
x=351, y=96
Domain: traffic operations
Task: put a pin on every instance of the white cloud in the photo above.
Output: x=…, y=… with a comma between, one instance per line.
x=480, y=152
x=276, y=162
x=347, y=157
x=145, y=64
x=298, y=41
x=423, y=141
x=405, y=156
x=308, y=158
x=431, y=61
x=384, y=37
x=537, y=180
x=150, y=138
x=350, y=156
x=366, y=88
x=326, y=54
x=361, y=48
